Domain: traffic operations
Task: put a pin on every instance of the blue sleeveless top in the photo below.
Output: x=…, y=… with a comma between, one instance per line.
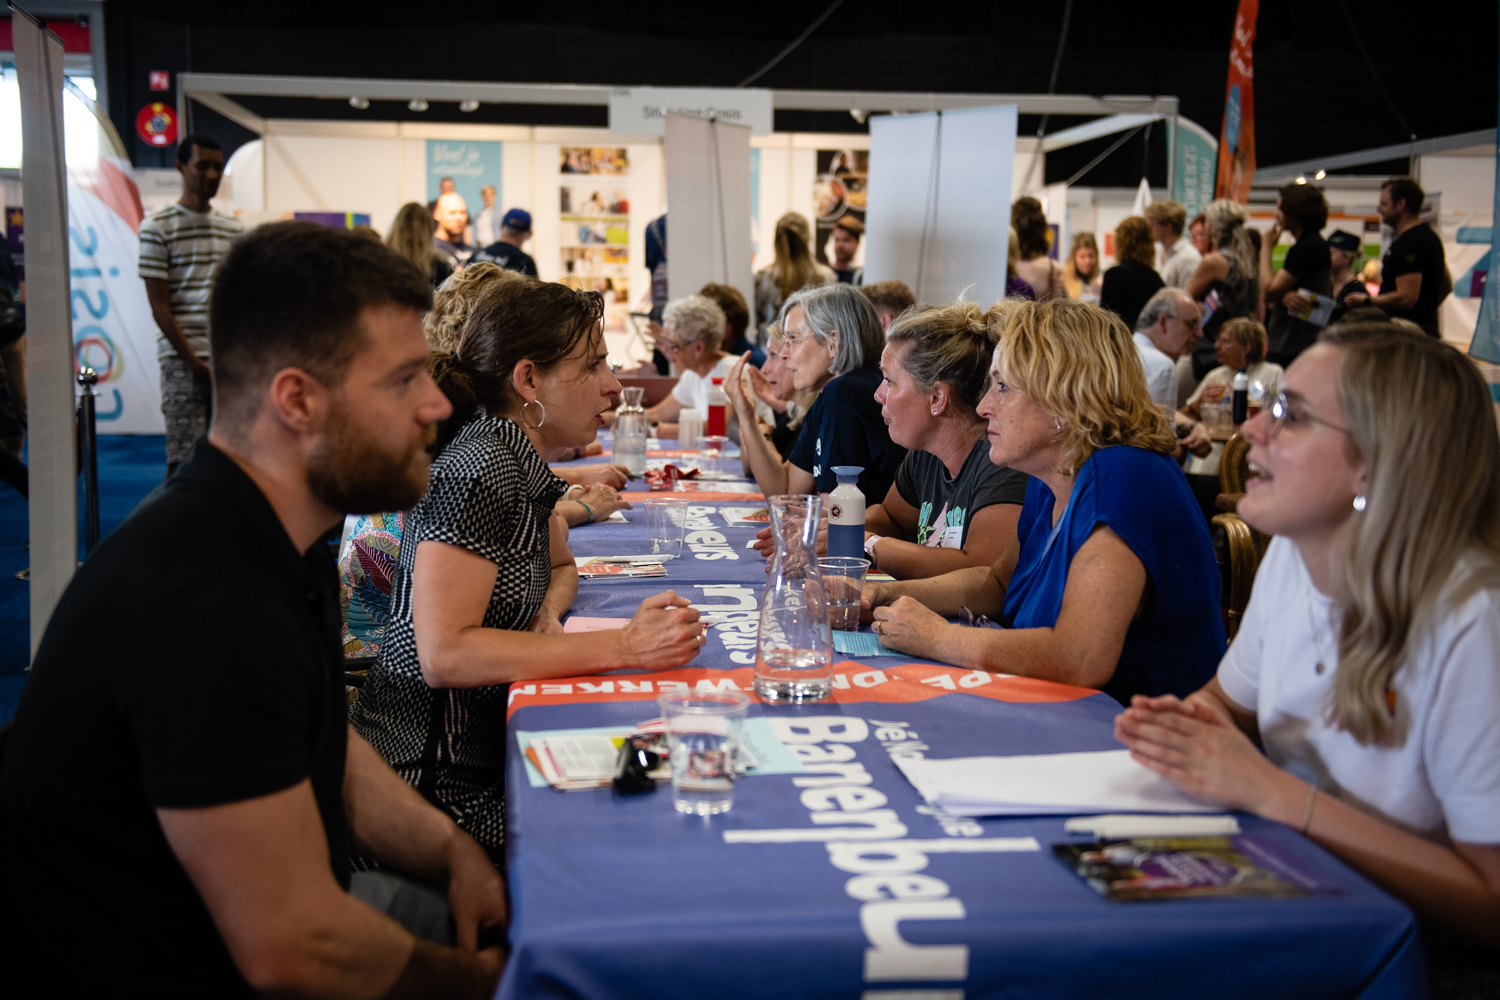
x=1175, y=646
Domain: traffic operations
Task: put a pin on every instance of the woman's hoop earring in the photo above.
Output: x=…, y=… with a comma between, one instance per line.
x=1360, y=502
x=538, y=404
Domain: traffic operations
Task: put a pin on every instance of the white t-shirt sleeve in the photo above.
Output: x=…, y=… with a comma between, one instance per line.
x=686, y=389
x=1239, y=671
x=1463, y=738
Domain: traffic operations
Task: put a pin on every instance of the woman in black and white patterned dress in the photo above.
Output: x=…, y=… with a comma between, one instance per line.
x=485, y=572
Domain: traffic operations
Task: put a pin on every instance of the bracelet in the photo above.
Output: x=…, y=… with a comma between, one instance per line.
x=587, y=508
x=1312, y=797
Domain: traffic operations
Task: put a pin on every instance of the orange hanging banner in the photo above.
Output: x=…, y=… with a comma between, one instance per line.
x=1237, y=138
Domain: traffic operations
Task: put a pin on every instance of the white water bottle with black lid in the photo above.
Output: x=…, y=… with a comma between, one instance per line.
x=846, y=514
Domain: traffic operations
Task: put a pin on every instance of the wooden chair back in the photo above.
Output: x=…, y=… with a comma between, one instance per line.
x=1234, y=466
x=1244, y=560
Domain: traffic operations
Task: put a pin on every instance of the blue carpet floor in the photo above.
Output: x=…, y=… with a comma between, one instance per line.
x=129, y=468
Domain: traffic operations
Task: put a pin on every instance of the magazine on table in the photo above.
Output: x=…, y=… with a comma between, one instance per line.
x=611, y=567
x=1147, y=868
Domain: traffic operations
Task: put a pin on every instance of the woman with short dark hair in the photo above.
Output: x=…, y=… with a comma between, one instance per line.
x=1129, y=285
x=1302, y=211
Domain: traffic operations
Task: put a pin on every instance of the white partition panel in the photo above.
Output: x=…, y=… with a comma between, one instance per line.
x=708, y=194
x=939, y=201
x=898, y=213
x=53, y=506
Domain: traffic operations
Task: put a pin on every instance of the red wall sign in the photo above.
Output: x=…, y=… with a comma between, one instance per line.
x=157, y=124
x=161, y=80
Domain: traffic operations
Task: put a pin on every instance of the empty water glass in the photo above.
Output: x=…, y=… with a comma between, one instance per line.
x=666, y=520
x=843, y=582
x=703, y=738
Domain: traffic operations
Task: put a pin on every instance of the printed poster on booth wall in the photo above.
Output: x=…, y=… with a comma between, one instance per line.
x=469, y=166
x=594, y=217
x=839, y=191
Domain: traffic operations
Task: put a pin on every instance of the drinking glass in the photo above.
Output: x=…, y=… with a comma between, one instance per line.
x=711, y=448
x=793, y=649
x=703, y=738
x=843, y=582
x=666, y=520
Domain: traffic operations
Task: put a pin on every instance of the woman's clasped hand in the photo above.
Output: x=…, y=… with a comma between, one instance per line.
x=1195, y=744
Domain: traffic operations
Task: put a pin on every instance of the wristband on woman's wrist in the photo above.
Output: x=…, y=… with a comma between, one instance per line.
x=587, y=508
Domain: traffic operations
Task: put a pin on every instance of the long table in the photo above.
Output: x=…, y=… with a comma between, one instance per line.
x=840, y=882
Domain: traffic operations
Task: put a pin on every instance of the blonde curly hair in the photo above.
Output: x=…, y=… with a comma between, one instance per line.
x=1081, y=366
x=453, y=299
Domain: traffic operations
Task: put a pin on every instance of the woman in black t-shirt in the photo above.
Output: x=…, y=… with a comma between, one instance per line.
x=833, y=339
x=1129, y=285
x=950, y=506
x=1302, y=211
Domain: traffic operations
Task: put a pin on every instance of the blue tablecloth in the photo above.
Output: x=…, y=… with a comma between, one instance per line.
x=623, y=897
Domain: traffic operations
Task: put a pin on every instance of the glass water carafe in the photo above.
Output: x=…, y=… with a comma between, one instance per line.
x=794, y=652
x=630, y=432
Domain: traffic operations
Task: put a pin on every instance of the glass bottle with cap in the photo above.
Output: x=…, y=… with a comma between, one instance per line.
x=631, y=431
x=846, y=514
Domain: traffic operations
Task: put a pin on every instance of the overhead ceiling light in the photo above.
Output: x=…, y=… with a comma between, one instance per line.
x=469, y=105
x=359, y=103
x=858, y=115
x=1301, y=180
x=416, y=104
x=1320, y=175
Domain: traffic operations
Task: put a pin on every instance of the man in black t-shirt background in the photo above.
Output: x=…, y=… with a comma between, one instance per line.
x=515, y=230
x=1414, y=278
x=181, y=792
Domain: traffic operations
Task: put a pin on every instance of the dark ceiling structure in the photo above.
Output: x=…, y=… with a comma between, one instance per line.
x=1315, y=94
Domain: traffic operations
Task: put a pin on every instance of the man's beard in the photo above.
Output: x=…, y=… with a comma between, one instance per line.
x=352, y=472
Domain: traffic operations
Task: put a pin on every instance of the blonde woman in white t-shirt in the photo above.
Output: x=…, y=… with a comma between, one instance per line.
x=1368, y=663
x=1241, y=343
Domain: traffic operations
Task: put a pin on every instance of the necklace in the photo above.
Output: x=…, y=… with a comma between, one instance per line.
x=1320, y=665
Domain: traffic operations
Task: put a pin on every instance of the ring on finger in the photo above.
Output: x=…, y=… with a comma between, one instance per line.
x=876, y=628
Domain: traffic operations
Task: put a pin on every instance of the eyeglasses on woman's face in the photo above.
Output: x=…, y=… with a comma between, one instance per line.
x=1283, y=416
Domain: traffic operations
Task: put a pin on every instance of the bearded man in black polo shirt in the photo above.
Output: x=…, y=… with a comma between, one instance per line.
x=1414, y=278
x=181, y=791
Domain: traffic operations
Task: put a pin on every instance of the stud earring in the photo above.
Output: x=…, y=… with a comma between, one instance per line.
x=1360, y=502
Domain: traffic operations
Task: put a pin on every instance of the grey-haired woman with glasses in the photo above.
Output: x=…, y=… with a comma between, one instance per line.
x=832, y=340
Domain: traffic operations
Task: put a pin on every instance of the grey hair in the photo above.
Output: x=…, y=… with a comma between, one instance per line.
x=696, y=318
x=845, y=310
x=1163, y=303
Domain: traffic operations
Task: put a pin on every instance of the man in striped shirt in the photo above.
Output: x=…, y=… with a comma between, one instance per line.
x=180, y=246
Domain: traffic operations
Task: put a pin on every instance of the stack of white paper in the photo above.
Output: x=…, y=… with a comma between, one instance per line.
x=1045, y=785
